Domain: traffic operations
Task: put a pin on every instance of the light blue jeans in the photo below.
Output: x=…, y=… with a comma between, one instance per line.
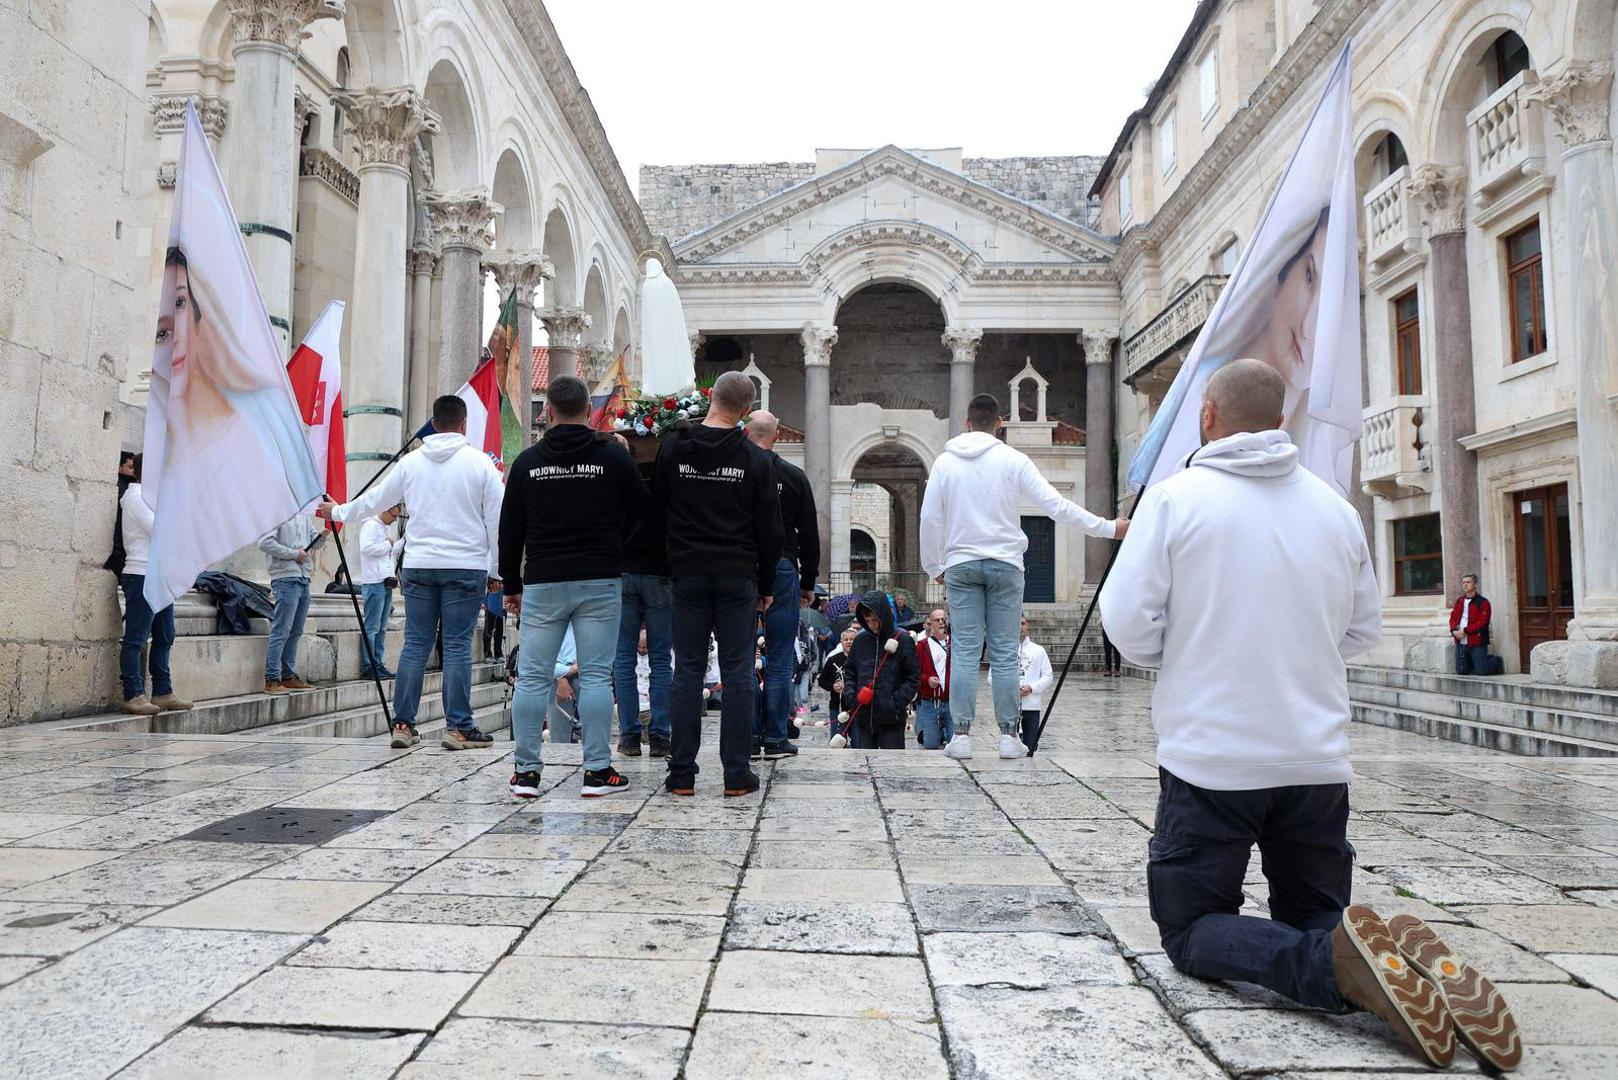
x=434, y=597
x=592, y=609
x=933, y=718
x=985, y=602
x=378, y=601
x=286, y=627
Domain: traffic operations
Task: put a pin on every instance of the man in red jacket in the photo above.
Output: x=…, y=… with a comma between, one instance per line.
x=1469, y=626
x=932, y=702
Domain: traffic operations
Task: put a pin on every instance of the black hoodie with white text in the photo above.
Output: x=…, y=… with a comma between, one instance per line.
x=720, y=511
x=569, y=500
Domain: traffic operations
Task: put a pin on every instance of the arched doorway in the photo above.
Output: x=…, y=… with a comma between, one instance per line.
x=890, y=481
x=890, y=350
x=861, y=561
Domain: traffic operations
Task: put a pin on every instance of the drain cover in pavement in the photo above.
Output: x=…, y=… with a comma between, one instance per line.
x=285, y=825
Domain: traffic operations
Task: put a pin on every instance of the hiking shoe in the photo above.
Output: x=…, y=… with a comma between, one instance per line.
x=1481, y=1016
x=1372, y=974
x=296, y=683
x=660, y=747
x=629, y=745
x=959, y=748
x=599, y=782
x=141, y=705
x=775, y=751
x=404, y=736
x=525, y=785
x=680, y=783
x=465, y=739
x=276, y=688
x=745, y=785
x=172, y=703
x=1011, y=747
x=794, y=731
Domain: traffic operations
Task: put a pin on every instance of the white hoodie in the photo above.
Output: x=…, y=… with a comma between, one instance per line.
x=975, y=499
x=376, y=551
x=1033, y=671
x=1248, y=581
x=453, y=494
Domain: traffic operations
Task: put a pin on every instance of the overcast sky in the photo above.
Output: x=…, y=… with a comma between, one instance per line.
x=706, y=81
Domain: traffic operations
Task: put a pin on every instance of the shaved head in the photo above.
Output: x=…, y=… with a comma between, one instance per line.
x=762, y=428
x=1242, y=396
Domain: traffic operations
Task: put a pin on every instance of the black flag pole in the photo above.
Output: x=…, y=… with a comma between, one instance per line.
x=371, y=661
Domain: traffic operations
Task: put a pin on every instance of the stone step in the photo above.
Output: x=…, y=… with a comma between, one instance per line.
x=367, y=721
x=1512, y=740
x=1568, y=723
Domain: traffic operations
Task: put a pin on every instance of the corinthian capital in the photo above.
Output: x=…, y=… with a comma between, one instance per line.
x=385, y=123
x=1440, y=191
x=461, y=219
x=593, y=362
x=1098, y=344
x=565, y=325
x=278, y=22
x=168, y=113
x=817, y=344
x=962, y=343
x=1576, y=98
x=523, y=271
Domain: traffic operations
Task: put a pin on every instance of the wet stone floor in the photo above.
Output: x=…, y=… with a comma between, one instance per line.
x=177, y=906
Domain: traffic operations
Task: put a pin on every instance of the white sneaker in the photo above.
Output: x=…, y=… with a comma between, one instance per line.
x=959, y=748
x=1012, y=747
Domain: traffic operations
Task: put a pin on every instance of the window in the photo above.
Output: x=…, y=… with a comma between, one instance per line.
x=1418, y=559
x=1525, y=282
x=1126, y=201
x=1407, y=341
x=337, y=131
x=1209, y=71
x=1390, y=156
x=1166, y=142
x=1509, y=58
x=1224, y=262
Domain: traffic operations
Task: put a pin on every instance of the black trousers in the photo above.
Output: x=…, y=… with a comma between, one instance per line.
x=494, y=636
x=1194, y=873
x=727, y=608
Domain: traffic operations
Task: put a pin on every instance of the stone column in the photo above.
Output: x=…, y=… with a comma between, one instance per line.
x=461, y=224
x=524, y=271
x=1098, y=471
x=1577, y=98
x=1441, y=193
x=840, y=513
x=962, y=342
x=817, y=344
x=261, y=166
x=384, y=124
x=698, y=340
x=564, y=326
x=423, y=387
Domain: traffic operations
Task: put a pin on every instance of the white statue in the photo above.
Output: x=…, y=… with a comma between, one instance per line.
x=665, y=348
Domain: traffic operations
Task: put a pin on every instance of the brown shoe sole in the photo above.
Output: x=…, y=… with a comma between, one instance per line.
x=1481, y=1015
x=1394, y=990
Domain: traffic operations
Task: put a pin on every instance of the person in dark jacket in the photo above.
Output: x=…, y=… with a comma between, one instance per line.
x=647, y=606
x=885, y=674
x=1469, y=627
x=126, y=476
x=718, y=507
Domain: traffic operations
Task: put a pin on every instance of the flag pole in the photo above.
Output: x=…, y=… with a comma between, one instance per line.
x=371, y=661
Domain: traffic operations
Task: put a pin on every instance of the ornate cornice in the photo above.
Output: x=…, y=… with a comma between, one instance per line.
x=817, y=344
x=278, y=22
x=385, y=123
x=523, y=271
x=1098, y=344
x=902, y=234
x=747, y=274
x=565, y=325
x=168, y=113
x=962, y=343
x=1034, y=273
x=593, y=361
x=1440, y=191
x=1577, y=99
x=303, y=104
x=461, y=219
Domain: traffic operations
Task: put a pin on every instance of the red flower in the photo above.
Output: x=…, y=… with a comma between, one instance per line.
x=623, y=414
x=670, y=404
x=707, y=391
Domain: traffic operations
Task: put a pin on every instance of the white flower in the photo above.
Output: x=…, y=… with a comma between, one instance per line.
x=683, y=415
x=891, y=647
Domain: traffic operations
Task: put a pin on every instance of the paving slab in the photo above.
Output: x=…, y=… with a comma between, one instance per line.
x=1254, y=1040
x=455, y=908
x=26, y=865
x=1028, y=961
x=646, y=899
x=1000, y=907
x=1563, y=1015
x=304, y=907
x=661, y=993
x=978, y=870
x=615, y=935
x=272, y=1054
x=664, y=869
x=473, y=1048
x=130, y=881
x=831, y=886
x=494, y=877
x=13, y=968
x=1542, y=928
x=396, y=947
x=822, y=984
x=329, y=997
x=836, y=927
x=348, y=864
x=738, y=1046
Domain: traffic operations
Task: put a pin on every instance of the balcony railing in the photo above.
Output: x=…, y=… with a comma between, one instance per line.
x=320, y=164
x=1395, y=457
x=1392, y=220
x=1507, y=136
x=1174, y=326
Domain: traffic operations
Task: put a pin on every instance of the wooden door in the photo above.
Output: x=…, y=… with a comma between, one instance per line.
x=1544, y=567
x=1039, y=561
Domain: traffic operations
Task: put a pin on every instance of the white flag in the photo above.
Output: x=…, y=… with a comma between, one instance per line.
x=1293, y=303
x=226, y=457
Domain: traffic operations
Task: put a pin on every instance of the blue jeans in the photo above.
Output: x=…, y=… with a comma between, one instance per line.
x=932, y=717
x=1471, y=659
x=378, y=601
x=646, y=599
x=453, y=598
x=985, y=601
x=592, y=609
x=286, y=628
x=780, y=653
x=141, y=623
x=1197, y=861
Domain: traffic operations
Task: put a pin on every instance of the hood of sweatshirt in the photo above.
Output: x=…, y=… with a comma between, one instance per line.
x=971, y=444
x=1257, y=454
x=711, y=446
x=567, y=443
x=876, y=601
x=442, y=445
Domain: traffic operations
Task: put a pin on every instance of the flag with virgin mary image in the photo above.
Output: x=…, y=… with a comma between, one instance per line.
x=1292, y=303
x=227, y=459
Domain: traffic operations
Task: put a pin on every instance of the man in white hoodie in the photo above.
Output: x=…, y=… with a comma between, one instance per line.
x=1247, y=580
x=452, y=549
x=379, y=543
x=973, y=543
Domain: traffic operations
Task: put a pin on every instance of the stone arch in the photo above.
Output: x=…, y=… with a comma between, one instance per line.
x=898, y=252
x=595, y=304
x=563, y=289
x=457, y=148
x=1590, y=31
x=514, y=231
x=378, y=46
x=157, y=34
x=214, y=39
x=901, y=439
x=1453, y=86
x=1384, y=114
x=622, y=335
x=890, y=350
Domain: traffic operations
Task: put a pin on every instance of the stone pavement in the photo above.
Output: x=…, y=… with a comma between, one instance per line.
x=176, y=906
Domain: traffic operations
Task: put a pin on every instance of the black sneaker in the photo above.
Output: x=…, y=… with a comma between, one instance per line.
x=629, y=745
x=745, y=785
x=598, y=782
x=758, y=751
x=794, y=731
x=776, y=750
x=680, y=783
x=525, y=785
x=660, y=747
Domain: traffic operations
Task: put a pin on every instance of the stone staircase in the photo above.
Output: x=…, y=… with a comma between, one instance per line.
x=1056, y=625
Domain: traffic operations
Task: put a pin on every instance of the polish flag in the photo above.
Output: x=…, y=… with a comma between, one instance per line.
x=482, y=396
x=316, y=372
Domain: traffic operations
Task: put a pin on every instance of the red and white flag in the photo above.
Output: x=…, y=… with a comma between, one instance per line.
x=482, y=396
x=316, y=371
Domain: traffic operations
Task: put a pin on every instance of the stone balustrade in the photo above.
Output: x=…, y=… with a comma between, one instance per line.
x=1392, y=219
x=323, y=166
x=1507, y=137
x=1172, y=327
x=1394, y=451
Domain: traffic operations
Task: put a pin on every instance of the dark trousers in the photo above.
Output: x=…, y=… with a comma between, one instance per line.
x=140, y=625
x=1471, y=659
x=494, y=635
x=1030, y=729
x=725, y=607
x=884, y=738
x=1194, y=873
x=1110, y=658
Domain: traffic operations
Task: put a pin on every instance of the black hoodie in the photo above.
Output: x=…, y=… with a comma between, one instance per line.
x=569, y=499
x=894, y=687
x=799, y=523
x=721, y=514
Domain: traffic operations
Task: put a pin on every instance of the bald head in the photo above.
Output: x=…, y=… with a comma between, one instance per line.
x=762, y=428
x=1242, y=396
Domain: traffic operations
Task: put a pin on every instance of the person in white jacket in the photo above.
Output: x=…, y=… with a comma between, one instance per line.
x=1034, y=682
x=453, y=492
x=1248, y=582
x=972, y=542
x=141, y=623
x=379, y=545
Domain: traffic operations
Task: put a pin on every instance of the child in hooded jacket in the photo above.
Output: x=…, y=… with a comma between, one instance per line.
x=882, y=676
